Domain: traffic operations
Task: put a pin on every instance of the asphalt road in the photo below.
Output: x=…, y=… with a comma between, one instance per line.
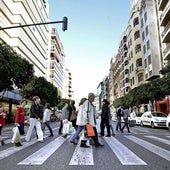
x=142, y=149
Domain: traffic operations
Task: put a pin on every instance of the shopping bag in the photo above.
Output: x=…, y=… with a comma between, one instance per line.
x=16, y=135
x=89, y=131
x=67, y=127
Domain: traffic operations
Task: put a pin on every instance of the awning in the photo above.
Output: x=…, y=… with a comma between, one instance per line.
x=13, y=94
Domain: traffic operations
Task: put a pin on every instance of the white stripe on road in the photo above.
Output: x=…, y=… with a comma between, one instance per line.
x=125, y=155
x=82, y=156
x=151, y=147
x=166, y=141
x=7, y=152
x=39, y=157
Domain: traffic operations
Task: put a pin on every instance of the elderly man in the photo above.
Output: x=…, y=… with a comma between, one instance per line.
x=89, y=110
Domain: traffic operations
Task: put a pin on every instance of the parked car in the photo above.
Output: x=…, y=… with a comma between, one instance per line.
x=153, y=119
x=136, y=117
x=168, y=122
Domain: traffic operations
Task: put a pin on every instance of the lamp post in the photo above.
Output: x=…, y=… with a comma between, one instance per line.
x=64, y=24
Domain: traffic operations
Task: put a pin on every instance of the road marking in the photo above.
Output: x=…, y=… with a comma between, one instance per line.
x=166, y=141
x=39, y=157
x=82, y=156
x=125, y=155
x=151, y=147
x=7, y=152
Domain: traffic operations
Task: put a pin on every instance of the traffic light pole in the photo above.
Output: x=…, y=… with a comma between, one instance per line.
x=64, y=22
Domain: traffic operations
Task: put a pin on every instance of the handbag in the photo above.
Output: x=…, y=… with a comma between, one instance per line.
x=89, y=131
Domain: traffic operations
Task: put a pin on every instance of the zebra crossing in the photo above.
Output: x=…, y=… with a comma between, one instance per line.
x=85, y=156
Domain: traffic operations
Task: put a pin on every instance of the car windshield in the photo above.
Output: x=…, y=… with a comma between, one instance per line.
x=159, y=114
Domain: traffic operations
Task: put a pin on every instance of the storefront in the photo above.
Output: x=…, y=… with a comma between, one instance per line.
x=10, y=100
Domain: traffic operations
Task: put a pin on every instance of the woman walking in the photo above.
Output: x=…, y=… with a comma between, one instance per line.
x=46, y=118
x=20, y=116
x=35, y=114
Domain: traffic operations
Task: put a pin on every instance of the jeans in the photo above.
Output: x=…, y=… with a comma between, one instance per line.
x=118, y=126
x=75, y=136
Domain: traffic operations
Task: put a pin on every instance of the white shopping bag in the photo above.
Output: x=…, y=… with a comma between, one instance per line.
x=16, y=135
x=67, y=127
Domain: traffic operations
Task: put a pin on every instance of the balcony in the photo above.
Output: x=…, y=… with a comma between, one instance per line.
x=162, y=4
x=166, y=34
x=165, y=16
x=166, y=53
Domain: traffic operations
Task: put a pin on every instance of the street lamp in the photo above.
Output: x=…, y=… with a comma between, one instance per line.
x=64, y=24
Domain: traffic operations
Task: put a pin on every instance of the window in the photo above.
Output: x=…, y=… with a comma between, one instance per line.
x=145, y=63
x=142, y=22
x=143, y=35
x=144, y=49
x=136, y=35
x=138, y=48
x=135, y=22
x=139, y=62
x=145, y=17
x=149, y=59
x=131, y=54
x=148, y=45
x=147, y=30
x=140, y=77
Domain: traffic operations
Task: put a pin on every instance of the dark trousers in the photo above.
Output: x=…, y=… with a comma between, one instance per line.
x=21, y=128
x=48, y=126
x=126, y=125
x=105, y=122
x=95, y=138
x=61, y=127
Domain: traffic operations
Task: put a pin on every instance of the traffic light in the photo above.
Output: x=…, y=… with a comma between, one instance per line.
x=64, y=24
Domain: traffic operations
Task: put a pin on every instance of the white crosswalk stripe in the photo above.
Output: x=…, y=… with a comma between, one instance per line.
x=126, y=156
x=159, y=139
x=82, y=156
x=151, y=147
x=39, y=157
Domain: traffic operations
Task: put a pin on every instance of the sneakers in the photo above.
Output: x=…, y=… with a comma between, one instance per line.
x=2, y=143
x=51, y=135
x=83, y=145
x=73, y=142
x=18, y=144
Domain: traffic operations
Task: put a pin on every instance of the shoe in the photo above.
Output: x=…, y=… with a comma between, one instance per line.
x=64, y=136
x=51, y=135
x=98, y=144
x=18, y=144
x=113, y=134
x=108, y=136
x=2, y=143
x=84, y=146
x=73, y=142
x=42, y=141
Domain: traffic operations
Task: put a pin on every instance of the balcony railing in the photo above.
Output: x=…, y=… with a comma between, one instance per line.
x=167, y=28
x=164, y=18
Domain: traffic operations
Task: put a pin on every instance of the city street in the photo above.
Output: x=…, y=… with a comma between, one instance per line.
x=143, y=148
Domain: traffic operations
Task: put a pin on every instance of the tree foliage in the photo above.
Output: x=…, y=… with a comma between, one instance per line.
x=14, y=70
x=39, y=86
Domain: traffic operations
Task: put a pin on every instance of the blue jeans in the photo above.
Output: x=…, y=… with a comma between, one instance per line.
x=118, y=126
x=75, y=136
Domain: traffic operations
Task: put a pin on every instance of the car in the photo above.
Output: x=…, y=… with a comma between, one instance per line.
x=168, y=122
x=136, y=117
x=153, y=119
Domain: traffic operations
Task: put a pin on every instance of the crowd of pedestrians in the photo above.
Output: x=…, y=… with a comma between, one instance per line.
x=78, y=119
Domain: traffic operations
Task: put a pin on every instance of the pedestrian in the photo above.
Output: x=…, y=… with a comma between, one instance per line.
x=126, y=115
x=2, y=123
x=46, y=118
x=72, y=114
x=119, y=116
x=20, y=116
x=90, y=111
x=64, y=115
x=105, y=116
x=81, y=122
x=35, y=114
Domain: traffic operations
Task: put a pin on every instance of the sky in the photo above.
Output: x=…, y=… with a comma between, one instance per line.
x=92, y=39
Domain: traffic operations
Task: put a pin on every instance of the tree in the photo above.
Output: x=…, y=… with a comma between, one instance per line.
x=14, y=70
x=39, y=86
